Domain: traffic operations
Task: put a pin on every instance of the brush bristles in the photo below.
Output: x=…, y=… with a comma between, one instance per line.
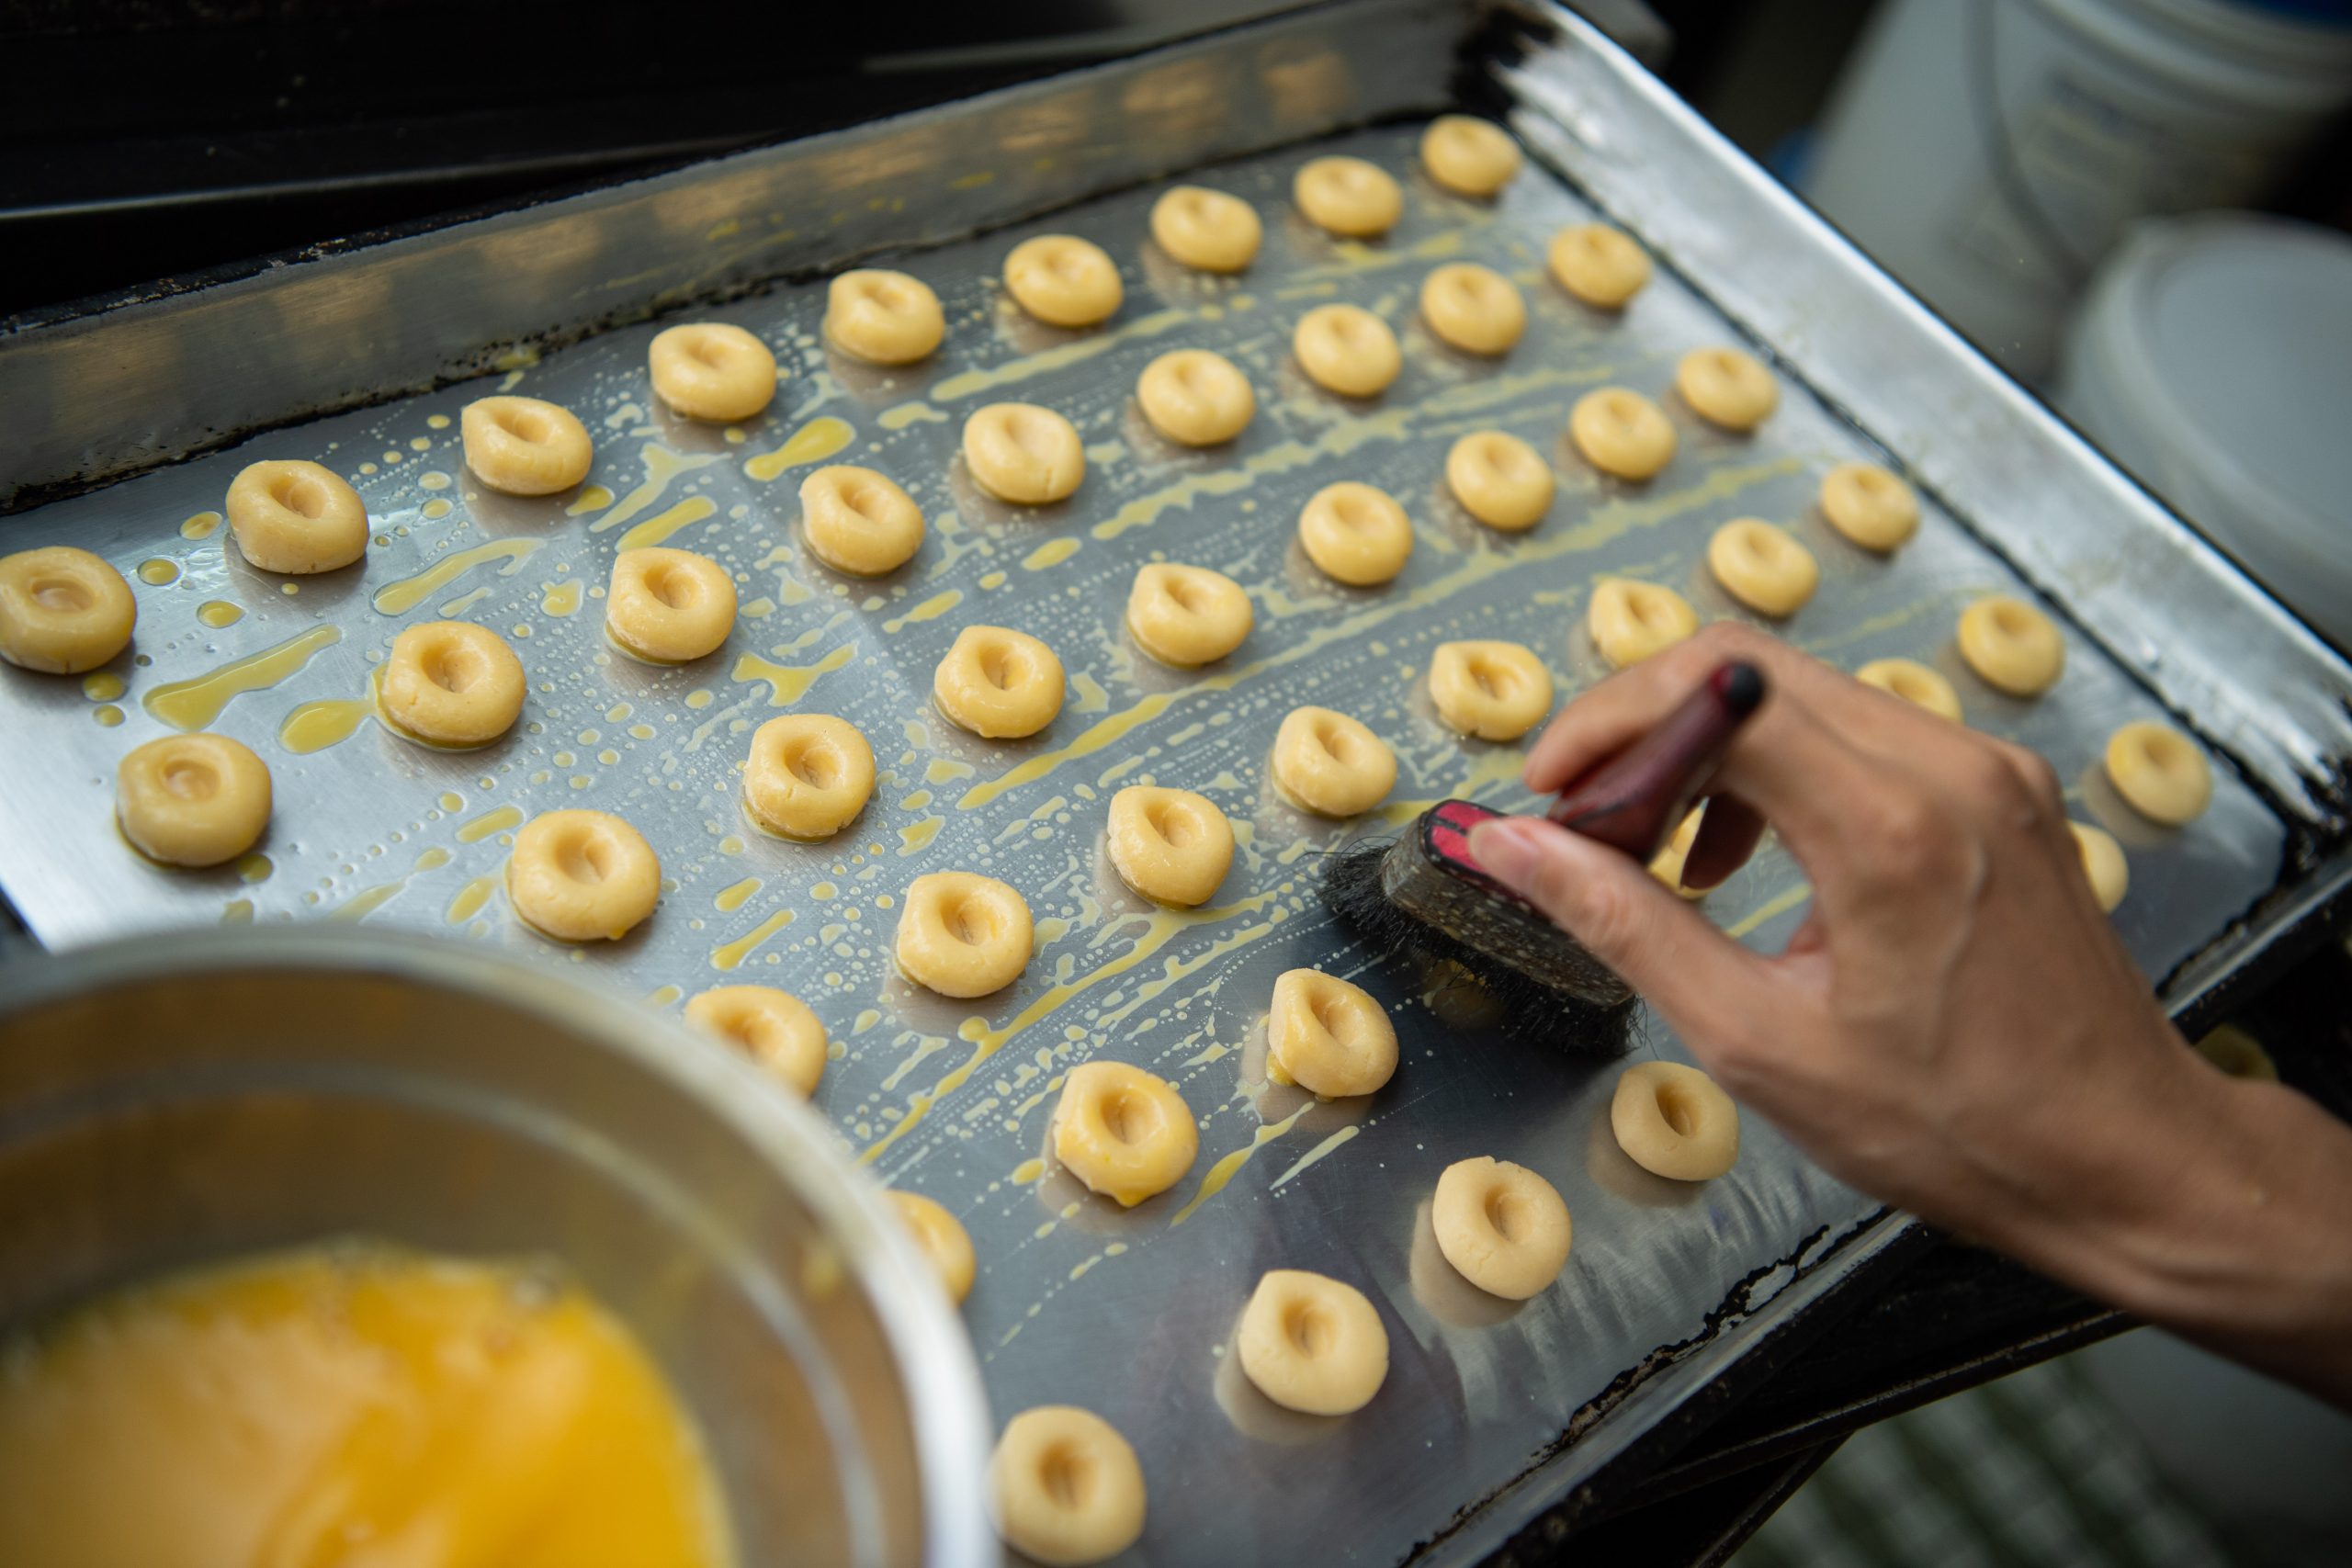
x=1546, y=985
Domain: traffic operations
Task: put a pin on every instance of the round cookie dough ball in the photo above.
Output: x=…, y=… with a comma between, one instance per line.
x=1763, y=567
x=1496, y=691
x=1348, y=350
x=669, y=606
x=859, y=521
x=1502, y=1226
x=62, y=611
x=192, y=800
x=1312, y=1344
x=2103, y=864
x=1667, y=865
x=1187, y=615
x=1195, y=398
x=1468, y=157
x=1024, y=454
x=452, y=683
x=809, y=776
x=1473, y=307
x=1598, y=264
x=1064, y=281
x=1170, y=845
x=2159, y=772
x=1066, y=1487
x=2013, y=647
x=774, y=1028
x=582, y=876
x=1207, y=228
x=1869, y=506
x=1630, y=620
x=1673, y=1121
x=297, y=517
x=962, y=935
x=1327, y=763
x=1726, y=388
x=1348, y=196
x=1327, y=1036
x=943, y=1238
x=999, y=684
x=883, y=317
x=523, y=447
x=1124, y=1132
x=1622, y=433
x=1499, y=479
x=1912, y=682
x=710, y=370
x=1355, y=534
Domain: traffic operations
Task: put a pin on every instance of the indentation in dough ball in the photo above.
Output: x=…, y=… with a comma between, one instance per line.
x=1598, y=264
x=1762, y=566
x=192, y=800
x=1066, y=1487
x=1355, y=534
x=2013, y=647
x=961, y=934
x=1063, y=280
x=669, y=606
x=1207, y=228
x=1187, y=615
x=1348, y=350
x=711, y=370
x=524, y=447
x=452, y=683
x=582, y=876
x=1630, y=620
x=1469, y=157
x=1473, y=307
x=62, y=610
x=1195, y=398
x=1330, y=764
x=998, y=682
x=295, y=517
x=858, y=521
x=1726, y=388
x=1024, y=454
x=1499, y=479
x=1313, y=1344
x=1348, y=196
x=1328, y=1036
x=1496, y=691
x=809, y=776
x=1123, y=1131
x=1502, y=1226
x=883, y=317
x=1170, y=845
x=1673, y=1121
x=1869, y=506
x=2159, y=771
x=774, y=1028
x=1622, y=433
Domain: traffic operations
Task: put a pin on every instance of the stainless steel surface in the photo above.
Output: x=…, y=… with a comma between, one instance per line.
x=193, y=1096
x=1124, y=1312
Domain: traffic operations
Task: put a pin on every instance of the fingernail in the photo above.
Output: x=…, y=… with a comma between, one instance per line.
x=1502, y=848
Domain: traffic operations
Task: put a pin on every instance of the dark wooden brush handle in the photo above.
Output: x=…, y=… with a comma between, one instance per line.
x=1634, y=800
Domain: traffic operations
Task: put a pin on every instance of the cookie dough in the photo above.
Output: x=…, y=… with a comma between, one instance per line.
x=1499, y=479
x=859, y=521
x=1598, y=264
x=1912, y=682
x=2159, y=772
x=1312, y=1344
x=192, y=800
x=1502, y=1226
x=1348, y=196
x=669, y=606
x=1124, y=1132
x=298, y=517
x=453, y=683
x=1496, y=691
x=1195, y=398
x=62, y=611
x=2238, y=1054
x=1667, y=863
x=1348, y=350
x=1327, y=763
x=1870, y=506
x=1473, y=307
x=2013, y=647
x=1355, y=534
x=962, y=935
x=1170, y=845
x=1064, y=281
x=943, y=1238
x=1207, y=228
x=1468, y=157
x=808, y=776
x=523, y=447
x=1673, y=1121
x=710, y=370
x=999, y=684
x=582, y=876
x=774, y=1028
x=883, y=317
x=1327, y=1036
x=1762, y=566
x=1187, y=615
x=1622, y=433
x=1728, y=388
x=2103, y=864
x=1066, y=1487
x=1630, y=620
x=1024, y=454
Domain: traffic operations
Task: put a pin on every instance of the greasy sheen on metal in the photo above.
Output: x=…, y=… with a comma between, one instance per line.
x=1123, y=1311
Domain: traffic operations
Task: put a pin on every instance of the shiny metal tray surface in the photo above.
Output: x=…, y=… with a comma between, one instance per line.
x=1129, y=1312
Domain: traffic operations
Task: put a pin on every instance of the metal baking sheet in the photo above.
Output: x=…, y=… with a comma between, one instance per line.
x=1125, y=1312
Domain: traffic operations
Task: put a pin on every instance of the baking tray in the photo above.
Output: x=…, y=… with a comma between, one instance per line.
x=1488, y=1417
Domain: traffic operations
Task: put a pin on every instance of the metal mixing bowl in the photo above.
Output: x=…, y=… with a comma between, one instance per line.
x=181, y=1098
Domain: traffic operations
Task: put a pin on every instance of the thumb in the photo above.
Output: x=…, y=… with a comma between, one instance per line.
x=1698, y=978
